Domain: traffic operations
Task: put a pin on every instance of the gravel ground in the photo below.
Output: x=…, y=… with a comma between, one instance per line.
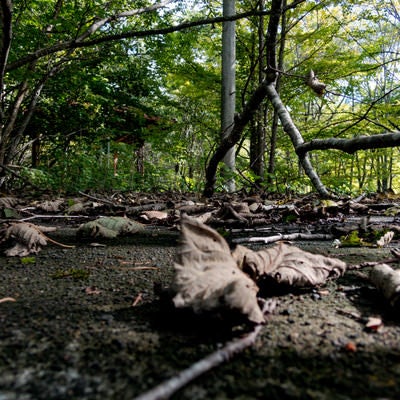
x=86, y=324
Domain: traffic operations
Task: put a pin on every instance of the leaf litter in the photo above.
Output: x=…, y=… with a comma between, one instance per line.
x=280, y=262
x=209, y=277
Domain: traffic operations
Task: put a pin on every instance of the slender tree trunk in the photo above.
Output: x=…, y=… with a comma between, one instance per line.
x=228, y=95
x=296, y=138
x=267, y=88
x=257, y=133
x=274, y=127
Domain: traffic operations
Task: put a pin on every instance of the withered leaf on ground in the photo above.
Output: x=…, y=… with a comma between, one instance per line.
x=28, y=236
x=51, y=205
x=288, y=265
x=207, y=277
x=109, y=227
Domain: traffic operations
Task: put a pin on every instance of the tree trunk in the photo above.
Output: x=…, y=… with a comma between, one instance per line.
x=267, y=88
x=296, y=138
x=228, y=95
x=257, y=133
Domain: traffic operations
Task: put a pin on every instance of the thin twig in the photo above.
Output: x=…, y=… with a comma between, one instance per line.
x=105, y=201
x=51, y=216
x=4, y=299
x=170, y=386
x=137, y=300
x=291, y=236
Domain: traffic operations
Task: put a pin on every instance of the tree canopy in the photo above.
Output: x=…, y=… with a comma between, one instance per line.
x=126, y=95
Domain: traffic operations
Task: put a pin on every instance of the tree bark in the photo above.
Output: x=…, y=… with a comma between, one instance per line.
x=290, y=128
x=257, y=132
x=228, y=92
x=228, y=142
x=350, y=145
x=5, y=44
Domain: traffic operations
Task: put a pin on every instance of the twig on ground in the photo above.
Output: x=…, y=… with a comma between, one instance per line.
x=171, y=386
x=4, y=299
x=291, y=236
x=105, y=201
x=49, y=216
x=138, y=299
x=395, y=259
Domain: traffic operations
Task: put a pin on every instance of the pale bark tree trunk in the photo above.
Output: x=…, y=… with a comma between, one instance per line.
x=296, y=138
x=228, y=95
x=257, y=134
x=274, y=126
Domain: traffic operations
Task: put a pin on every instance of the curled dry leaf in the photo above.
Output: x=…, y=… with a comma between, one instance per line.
x=29, y=239
x=315, y=84
x=8, y=202
x=109, y=227
x=76, y=208
x=387, y=280
x=207, y=277
x=288, y=265
x=51, y=205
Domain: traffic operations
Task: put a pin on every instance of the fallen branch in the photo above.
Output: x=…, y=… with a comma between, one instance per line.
x=291, y=236
x=395, y=259
x=40, y=216
x=171, y=386
x=105, y=201
x=350, y=146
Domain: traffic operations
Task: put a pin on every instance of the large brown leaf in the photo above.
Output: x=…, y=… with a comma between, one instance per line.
x=288, y=265
x=207, y=277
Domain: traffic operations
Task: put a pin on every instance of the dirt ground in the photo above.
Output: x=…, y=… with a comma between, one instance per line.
x=86, y=324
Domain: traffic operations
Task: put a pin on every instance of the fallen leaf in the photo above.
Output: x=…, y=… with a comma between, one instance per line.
x=109, y=228
x=29, y=239
x=51, y=205
x=207, y=277
x=288, y=265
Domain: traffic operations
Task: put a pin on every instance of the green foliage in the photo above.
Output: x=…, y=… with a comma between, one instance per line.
x=155, y=101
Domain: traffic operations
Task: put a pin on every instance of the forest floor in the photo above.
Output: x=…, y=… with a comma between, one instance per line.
x=85, y=323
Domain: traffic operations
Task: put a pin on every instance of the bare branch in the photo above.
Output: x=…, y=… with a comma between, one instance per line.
x=98, y=24
x=351, y=145
x=80, y=43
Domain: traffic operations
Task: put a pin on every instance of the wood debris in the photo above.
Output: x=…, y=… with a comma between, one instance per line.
x=387, y=281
